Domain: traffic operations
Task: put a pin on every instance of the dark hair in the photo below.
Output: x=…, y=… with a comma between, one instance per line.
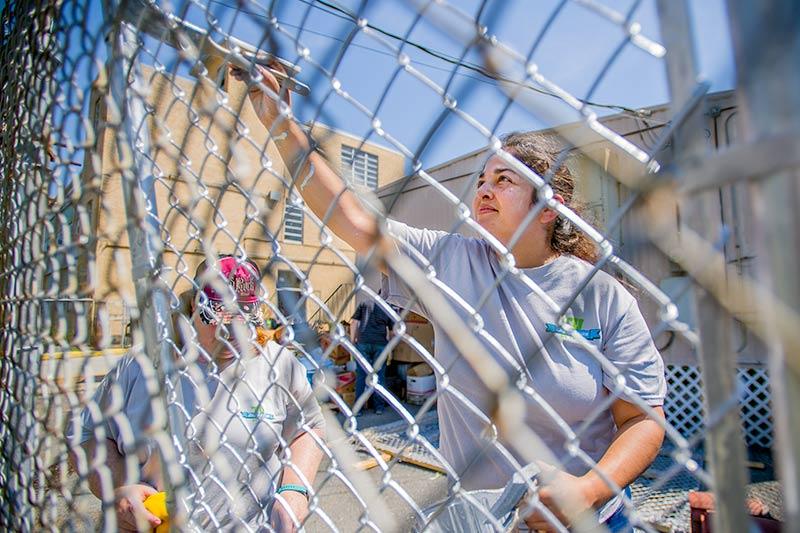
x=540, y=154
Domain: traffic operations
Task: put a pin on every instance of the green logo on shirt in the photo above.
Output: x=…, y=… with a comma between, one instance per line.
x=257, y=413
x=577, y=325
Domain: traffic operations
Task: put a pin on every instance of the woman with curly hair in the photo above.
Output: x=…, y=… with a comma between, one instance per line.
x=570, y=392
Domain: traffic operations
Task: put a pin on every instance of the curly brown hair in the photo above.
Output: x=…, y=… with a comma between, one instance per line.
x=540, y=154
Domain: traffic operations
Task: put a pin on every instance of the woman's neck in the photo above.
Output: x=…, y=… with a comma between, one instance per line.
x=526, y=256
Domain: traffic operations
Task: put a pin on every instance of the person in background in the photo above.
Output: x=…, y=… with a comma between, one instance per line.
x=245, y=403
x=370, y=328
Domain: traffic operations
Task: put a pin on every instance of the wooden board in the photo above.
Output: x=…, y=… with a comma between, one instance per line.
x=392, y=439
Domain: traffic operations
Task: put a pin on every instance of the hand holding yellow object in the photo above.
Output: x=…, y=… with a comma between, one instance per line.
x=157, y=504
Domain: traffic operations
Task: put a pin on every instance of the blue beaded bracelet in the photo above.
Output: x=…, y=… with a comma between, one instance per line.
x=294, y=488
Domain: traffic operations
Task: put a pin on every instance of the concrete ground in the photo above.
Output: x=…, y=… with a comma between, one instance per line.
x=346, y=513
x=424, y=486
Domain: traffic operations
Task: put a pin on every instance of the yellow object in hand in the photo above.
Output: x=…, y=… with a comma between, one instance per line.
x=157, y=504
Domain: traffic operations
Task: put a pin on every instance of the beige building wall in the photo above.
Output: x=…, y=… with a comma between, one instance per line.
x=599, y=167
x=219, y=187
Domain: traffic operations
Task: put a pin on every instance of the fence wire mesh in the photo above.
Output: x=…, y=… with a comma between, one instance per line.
x=179, y=313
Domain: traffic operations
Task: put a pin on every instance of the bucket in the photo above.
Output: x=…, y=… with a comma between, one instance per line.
x=418, y=388
x=420, y=384
x=417, y=399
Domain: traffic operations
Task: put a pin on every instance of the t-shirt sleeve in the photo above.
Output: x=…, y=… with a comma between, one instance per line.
x=426, y=248
x=303, y=412
x=631, y=349
x=359, y=313
x=118, y=409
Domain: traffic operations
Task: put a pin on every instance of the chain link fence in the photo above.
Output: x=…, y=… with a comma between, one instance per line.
x=178, y=313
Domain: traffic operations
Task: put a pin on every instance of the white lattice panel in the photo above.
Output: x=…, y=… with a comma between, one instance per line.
x=684, y=403
x=756, y=407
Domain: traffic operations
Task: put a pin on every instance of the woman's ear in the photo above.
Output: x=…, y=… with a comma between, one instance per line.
x=549, y=215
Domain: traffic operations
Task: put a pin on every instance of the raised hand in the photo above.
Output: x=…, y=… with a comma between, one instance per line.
x=265, y=105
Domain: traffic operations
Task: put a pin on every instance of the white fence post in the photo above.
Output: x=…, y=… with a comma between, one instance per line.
x=766, y=41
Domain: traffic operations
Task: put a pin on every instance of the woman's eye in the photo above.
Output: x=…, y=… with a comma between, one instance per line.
x=479, y=184
x=504, y=178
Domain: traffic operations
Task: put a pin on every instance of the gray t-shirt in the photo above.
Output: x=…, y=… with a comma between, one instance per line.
x=524, y=335
x=236, y=421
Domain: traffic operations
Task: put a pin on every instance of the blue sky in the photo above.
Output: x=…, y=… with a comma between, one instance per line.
x=572, y=53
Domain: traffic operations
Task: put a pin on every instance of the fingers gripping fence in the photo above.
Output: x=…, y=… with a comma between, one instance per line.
x=193, y=277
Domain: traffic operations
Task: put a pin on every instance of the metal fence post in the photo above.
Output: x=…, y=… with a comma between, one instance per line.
x=24, y=161
x=133, y=142
x=724, y=444
x=766, y=41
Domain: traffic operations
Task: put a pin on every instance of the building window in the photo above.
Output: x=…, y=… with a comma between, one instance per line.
x=292, y=222
x=359, y=167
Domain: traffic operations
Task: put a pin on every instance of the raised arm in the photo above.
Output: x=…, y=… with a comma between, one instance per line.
x=324, y=191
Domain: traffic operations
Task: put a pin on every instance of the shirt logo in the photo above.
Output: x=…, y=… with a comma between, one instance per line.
x=577, y=324
x=257, y=413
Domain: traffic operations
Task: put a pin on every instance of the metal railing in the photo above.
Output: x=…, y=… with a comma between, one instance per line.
x=336, y=303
